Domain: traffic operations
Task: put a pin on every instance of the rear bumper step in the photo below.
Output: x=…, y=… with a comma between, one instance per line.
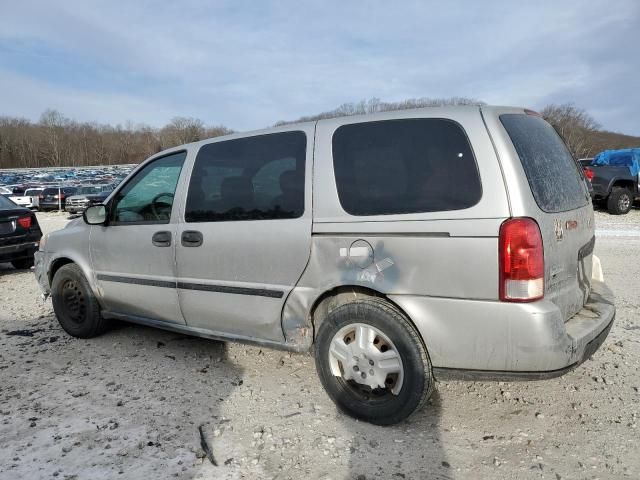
x=490, y=375
x=490, y=339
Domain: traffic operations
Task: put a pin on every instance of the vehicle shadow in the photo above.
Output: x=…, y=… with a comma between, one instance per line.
x=128, y=403
x=412, y=449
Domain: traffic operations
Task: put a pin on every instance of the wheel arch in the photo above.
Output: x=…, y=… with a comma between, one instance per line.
x=56, y=264
x=339, y=295
x=621, y=182
x=63, y=259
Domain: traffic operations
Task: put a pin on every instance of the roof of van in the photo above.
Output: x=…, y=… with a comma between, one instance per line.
x=494, y=109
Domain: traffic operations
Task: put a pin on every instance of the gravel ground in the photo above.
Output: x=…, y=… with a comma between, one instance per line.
x=129, y=403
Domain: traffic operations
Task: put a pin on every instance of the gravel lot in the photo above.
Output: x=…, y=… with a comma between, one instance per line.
x=128, y=404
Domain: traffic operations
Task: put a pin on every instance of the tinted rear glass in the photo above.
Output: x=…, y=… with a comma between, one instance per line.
x=404, y=166
x=552, y=173
x=6, y=203
x=253, y=178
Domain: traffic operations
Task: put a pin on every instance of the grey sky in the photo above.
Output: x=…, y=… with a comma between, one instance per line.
x=249, y=64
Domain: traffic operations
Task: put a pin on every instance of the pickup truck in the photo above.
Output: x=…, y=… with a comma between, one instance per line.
x=30, y=199
x=614, y=175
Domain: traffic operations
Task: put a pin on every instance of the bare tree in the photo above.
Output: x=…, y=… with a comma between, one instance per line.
x=182, y=130
x=56, y=140
x=52, y=123
x=574, y=125
x=374, y=105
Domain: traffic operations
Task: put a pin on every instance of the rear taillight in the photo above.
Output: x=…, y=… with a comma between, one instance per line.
x=589, y=173
x=25, y=222
x=521, y=261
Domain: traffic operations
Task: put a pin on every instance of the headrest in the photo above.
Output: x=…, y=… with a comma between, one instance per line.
x=289, y=181
x=236, y=186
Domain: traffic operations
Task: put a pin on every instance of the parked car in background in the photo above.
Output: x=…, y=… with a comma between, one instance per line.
x=585, y=162
x=6, y=192
x=54, y=198
x=30, y=199
x=15, y=189
x=19, y=234
x=390, y=241
x=615, y=176
x=86, y=195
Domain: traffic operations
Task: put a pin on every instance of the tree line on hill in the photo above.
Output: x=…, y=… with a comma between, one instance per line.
x=56, y=141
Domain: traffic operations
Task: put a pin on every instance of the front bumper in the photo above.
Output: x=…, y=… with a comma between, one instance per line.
x=40, y=271
x=76, y=207
x=471, y=339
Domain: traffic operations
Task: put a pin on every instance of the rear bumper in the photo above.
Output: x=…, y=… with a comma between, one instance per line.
x=470, y=339
x=16, y=252
x=51, y=205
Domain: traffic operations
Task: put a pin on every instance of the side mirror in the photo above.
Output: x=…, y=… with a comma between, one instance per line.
x=95, y=215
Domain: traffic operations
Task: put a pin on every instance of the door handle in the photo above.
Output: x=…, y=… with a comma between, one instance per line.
x=161, y=239
x=191, y=238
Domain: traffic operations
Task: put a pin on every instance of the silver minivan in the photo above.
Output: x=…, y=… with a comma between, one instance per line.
x=452, y=242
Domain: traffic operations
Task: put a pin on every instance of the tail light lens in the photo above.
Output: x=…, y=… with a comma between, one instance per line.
x=589, y=173
x=521, y=261
x=25, y=222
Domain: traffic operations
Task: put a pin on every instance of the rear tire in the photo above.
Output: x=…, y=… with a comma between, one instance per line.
x=75, y=304
x=23, y=263
x=619, y=201
x=344, y=377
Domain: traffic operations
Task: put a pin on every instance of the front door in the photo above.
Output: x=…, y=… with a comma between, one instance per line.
x=246, y=234
x=134, y=254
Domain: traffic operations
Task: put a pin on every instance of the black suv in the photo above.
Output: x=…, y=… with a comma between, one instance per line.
x=53, y=198
x=19, y=234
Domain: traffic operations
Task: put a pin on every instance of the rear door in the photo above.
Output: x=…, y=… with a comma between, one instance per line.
x=561, y=205
x=245, y=237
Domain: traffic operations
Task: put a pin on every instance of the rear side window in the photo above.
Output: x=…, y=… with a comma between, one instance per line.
x=552, y=173
x=404, y=166
x=253, y=178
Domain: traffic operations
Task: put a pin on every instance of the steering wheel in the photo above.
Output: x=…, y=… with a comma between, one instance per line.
x=153, y=203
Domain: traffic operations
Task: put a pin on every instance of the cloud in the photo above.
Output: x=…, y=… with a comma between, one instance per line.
x=249, y=64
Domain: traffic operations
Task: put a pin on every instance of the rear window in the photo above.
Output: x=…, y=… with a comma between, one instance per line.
x=6, y=203
x=404, y=166
x=552, y=173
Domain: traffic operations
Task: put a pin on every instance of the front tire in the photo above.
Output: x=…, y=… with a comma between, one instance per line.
x=372, y=362
x=620, y=201
x=74, y=303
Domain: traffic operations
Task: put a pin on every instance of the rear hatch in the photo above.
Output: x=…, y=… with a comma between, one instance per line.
x=49, y=195
x=564, y=213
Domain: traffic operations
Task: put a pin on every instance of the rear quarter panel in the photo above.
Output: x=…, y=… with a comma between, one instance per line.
x=564, y=233
x=452, y=254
